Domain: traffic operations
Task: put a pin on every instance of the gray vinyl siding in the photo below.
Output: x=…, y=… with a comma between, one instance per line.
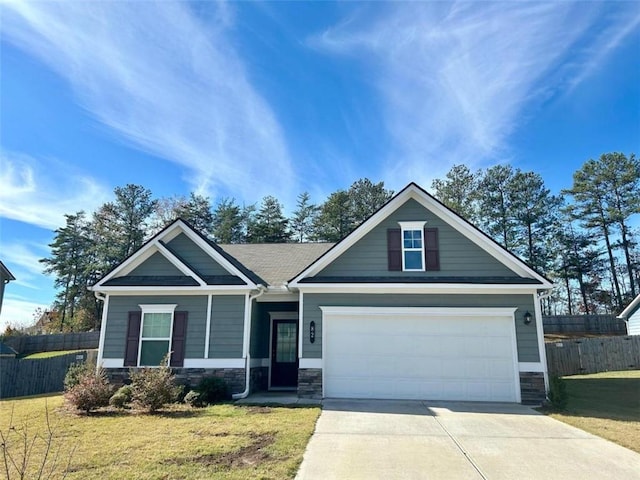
x=195, y=256
x=227, y=326
x=261, y=325
x=118, y=317
x=156, y=265
x=527, y=340
x=459, y=256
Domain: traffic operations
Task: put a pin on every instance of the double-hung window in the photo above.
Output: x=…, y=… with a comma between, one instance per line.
x=156, y=334
x=412, y=246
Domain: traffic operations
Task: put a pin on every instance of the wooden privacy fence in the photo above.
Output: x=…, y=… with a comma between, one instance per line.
x=21, y=377
x=26, y=344
x=593, y=355
x=598, y=324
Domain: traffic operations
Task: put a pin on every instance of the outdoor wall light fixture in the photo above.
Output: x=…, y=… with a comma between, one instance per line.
x=527, y=318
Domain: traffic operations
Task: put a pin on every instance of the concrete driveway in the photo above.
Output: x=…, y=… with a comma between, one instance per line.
x=378, y=439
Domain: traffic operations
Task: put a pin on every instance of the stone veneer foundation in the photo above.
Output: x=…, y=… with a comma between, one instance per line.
x=310, y=383
x=532, y=388
x=189, y=376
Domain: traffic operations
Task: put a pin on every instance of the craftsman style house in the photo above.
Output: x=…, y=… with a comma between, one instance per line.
x=415, y=303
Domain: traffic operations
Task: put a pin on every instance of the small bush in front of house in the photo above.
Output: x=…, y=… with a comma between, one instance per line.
x=558, y=396
x=122, y=397
x=91, y=391
x=213, y=390
x=153, y=388
x=194, y=399
x=75, y=371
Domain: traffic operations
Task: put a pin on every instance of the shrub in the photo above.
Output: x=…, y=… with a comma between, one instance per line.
x=75, y=371
x=558, y=396
x=213, y=390
x=153, y=388
x=122, y=397
x=194, y=399
x=92, y=391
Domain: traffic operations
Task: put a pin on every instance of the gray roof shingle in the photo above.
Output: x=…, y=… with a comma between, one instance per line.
x=275, y=263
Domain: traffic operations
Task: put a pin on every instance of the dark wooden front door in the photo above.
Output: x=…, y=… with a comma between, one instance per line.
x=284, y=354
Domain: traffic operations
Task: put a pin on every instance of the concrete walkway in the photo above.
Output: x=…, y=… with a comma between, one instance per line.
x=377, y=439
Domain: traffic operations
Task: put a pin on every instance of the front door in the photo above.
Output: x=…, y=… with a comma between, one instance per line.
x=284, y=354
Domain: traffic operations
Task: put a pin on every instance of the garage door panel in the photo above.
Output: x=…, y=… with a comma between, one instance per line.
x=440, y=357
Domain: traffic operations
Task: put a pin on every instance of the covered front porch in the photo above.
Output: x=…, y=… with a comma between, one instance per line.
x=274, y=346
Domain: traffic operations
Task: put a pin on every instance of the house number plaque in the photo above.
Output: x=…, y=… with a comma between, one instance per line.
x=312, y=331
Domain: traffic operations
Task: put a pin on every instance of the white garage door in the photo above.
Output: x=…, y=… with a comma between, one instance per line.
x=420, y=353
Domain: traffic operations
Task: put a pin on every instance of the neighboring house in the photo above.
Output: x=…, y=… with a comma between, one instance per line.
x=415, y=303
x=631, y=315
x=5, y=277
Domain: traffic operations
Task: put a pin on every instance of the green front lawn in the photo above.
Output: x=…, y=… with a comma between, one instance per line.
x=218, y=442
x=605, y=404
x=57, y=353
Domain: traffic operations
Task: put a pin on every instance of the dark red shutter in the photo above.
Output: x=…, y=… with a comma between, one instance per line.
x=394, y=249
x=133, y=338
x=431, y=252
x=178, y=339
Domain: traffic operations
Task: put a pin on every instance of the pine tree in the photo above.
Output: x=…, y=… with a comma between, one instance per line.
x=459, y=191
x=303, y=218
x=69, y=264
x=270, y=225
x=227, y=222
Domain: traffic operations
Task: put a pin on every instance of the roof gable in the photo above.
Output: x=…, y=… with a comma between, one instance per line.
x=159, y=263
x=498, y=261
x=631, y=308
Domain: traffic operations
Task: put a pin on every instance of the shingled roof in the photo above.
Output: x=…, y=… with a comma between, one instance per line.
x=275, y=263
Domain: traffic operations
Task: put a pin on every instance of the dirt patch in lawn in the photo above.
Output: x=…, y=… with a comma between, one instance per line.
x=248, y=456
x=259, y=409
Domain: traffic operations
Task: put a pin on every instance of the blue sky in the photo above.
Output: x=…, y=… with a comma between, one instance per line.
x=249, y=99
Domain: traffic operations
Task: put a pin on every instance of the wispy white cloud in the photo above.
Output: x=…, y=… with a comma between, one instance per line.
x=18, y=313
x=41, y=192
x=455, y=78
x=167, y=82
x=24, y=261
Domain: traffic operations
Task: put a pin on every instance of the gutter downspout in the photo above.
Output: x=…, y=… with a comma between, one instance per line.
x=247, y=344
x=541, y=344
x=103, y=327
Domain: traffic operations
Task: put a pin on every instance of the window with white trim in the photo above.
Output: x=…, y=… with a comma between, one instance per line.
x=412, y=246
x=155, y=334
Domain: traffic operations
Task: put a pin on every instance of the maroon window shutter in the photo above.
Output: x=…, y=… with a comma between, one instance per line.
x=431, y=252
x=178, y=339
x=133, y=338
x=394, y=249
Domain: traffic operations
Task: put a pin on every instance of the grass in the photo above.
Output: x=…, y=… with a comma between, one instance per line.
x=57, y=353
x=218, y=442
x=606, y=404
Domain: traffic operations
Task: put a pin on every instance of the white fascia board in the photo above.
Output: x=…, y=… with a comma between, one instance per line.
x=270, y=296
x=417, y=288
x=212, y=252
x=484, y=242
x=630, y=308
x=144, y=253
x=176, y=262
x=172, y=290
x=129, y=264
x=420, y=311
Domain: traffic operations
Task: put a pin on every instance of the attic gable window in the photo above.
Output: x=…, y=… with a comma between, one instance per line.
x=412, y=246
